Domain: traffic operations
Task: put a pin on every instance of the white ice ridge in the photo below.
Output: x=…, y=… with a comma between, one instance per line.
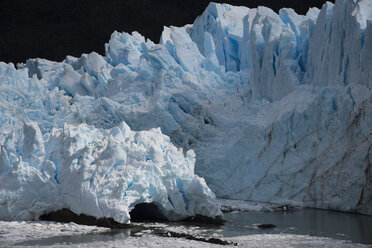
x=277, y=107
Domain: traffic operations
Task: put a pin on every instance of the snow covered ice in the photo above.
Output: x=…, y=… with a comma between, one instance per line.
x=269, y=107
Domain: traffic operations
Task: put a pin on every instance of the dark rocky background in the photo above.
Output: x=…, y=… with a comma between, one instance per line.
x=53, y=29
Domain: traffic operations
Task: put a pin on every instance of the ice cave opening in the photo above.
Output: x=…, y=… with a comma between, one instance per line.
x=146, y=212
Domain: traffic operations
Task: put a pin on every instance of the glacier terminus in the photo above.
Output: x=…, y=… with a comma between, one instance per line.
x=245, y=104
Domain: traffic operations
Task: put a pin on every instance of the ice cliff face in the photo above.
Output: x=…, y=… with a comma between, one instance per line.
x=305, y=133
x=277, y=107
x=47, y=164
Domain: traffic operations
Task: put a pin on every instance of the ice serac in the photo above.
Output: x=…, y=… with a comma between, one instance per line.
x=277, y=107
x=224, y=23
x=303, y=136
x=340, y=45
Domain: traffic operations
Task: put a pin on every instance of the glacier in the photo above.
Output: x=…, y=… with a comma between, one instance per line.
x=268, y=107
x=100, y=173
x=49, y=161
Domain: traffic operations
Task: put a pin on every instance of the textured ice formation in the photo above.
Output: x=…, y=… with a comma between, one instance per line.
x=47, y=164
x=101, y=173
x=277, y=107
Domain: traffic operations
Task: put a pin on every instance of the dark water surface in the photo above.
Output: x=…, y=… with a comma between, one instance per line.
x=318, y=223
x=313, y=222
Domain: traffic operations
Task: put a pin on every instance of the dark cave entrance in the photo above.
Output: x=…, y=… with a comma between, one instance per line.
x=141, y=213
x=146, y=212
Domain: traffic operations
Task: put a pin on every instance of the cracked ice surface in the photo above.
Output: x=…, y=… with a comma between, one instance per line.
x=277, y=107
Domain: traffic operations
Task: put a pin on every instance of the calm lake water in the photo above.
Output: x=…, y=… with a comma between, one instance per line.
x=318, y=223
x=321, y=223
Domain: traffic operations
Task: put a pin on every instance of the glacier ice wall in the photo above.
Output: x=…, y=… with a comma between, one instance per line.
x=308, y=140
x=277, y=107
x=49, y=160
